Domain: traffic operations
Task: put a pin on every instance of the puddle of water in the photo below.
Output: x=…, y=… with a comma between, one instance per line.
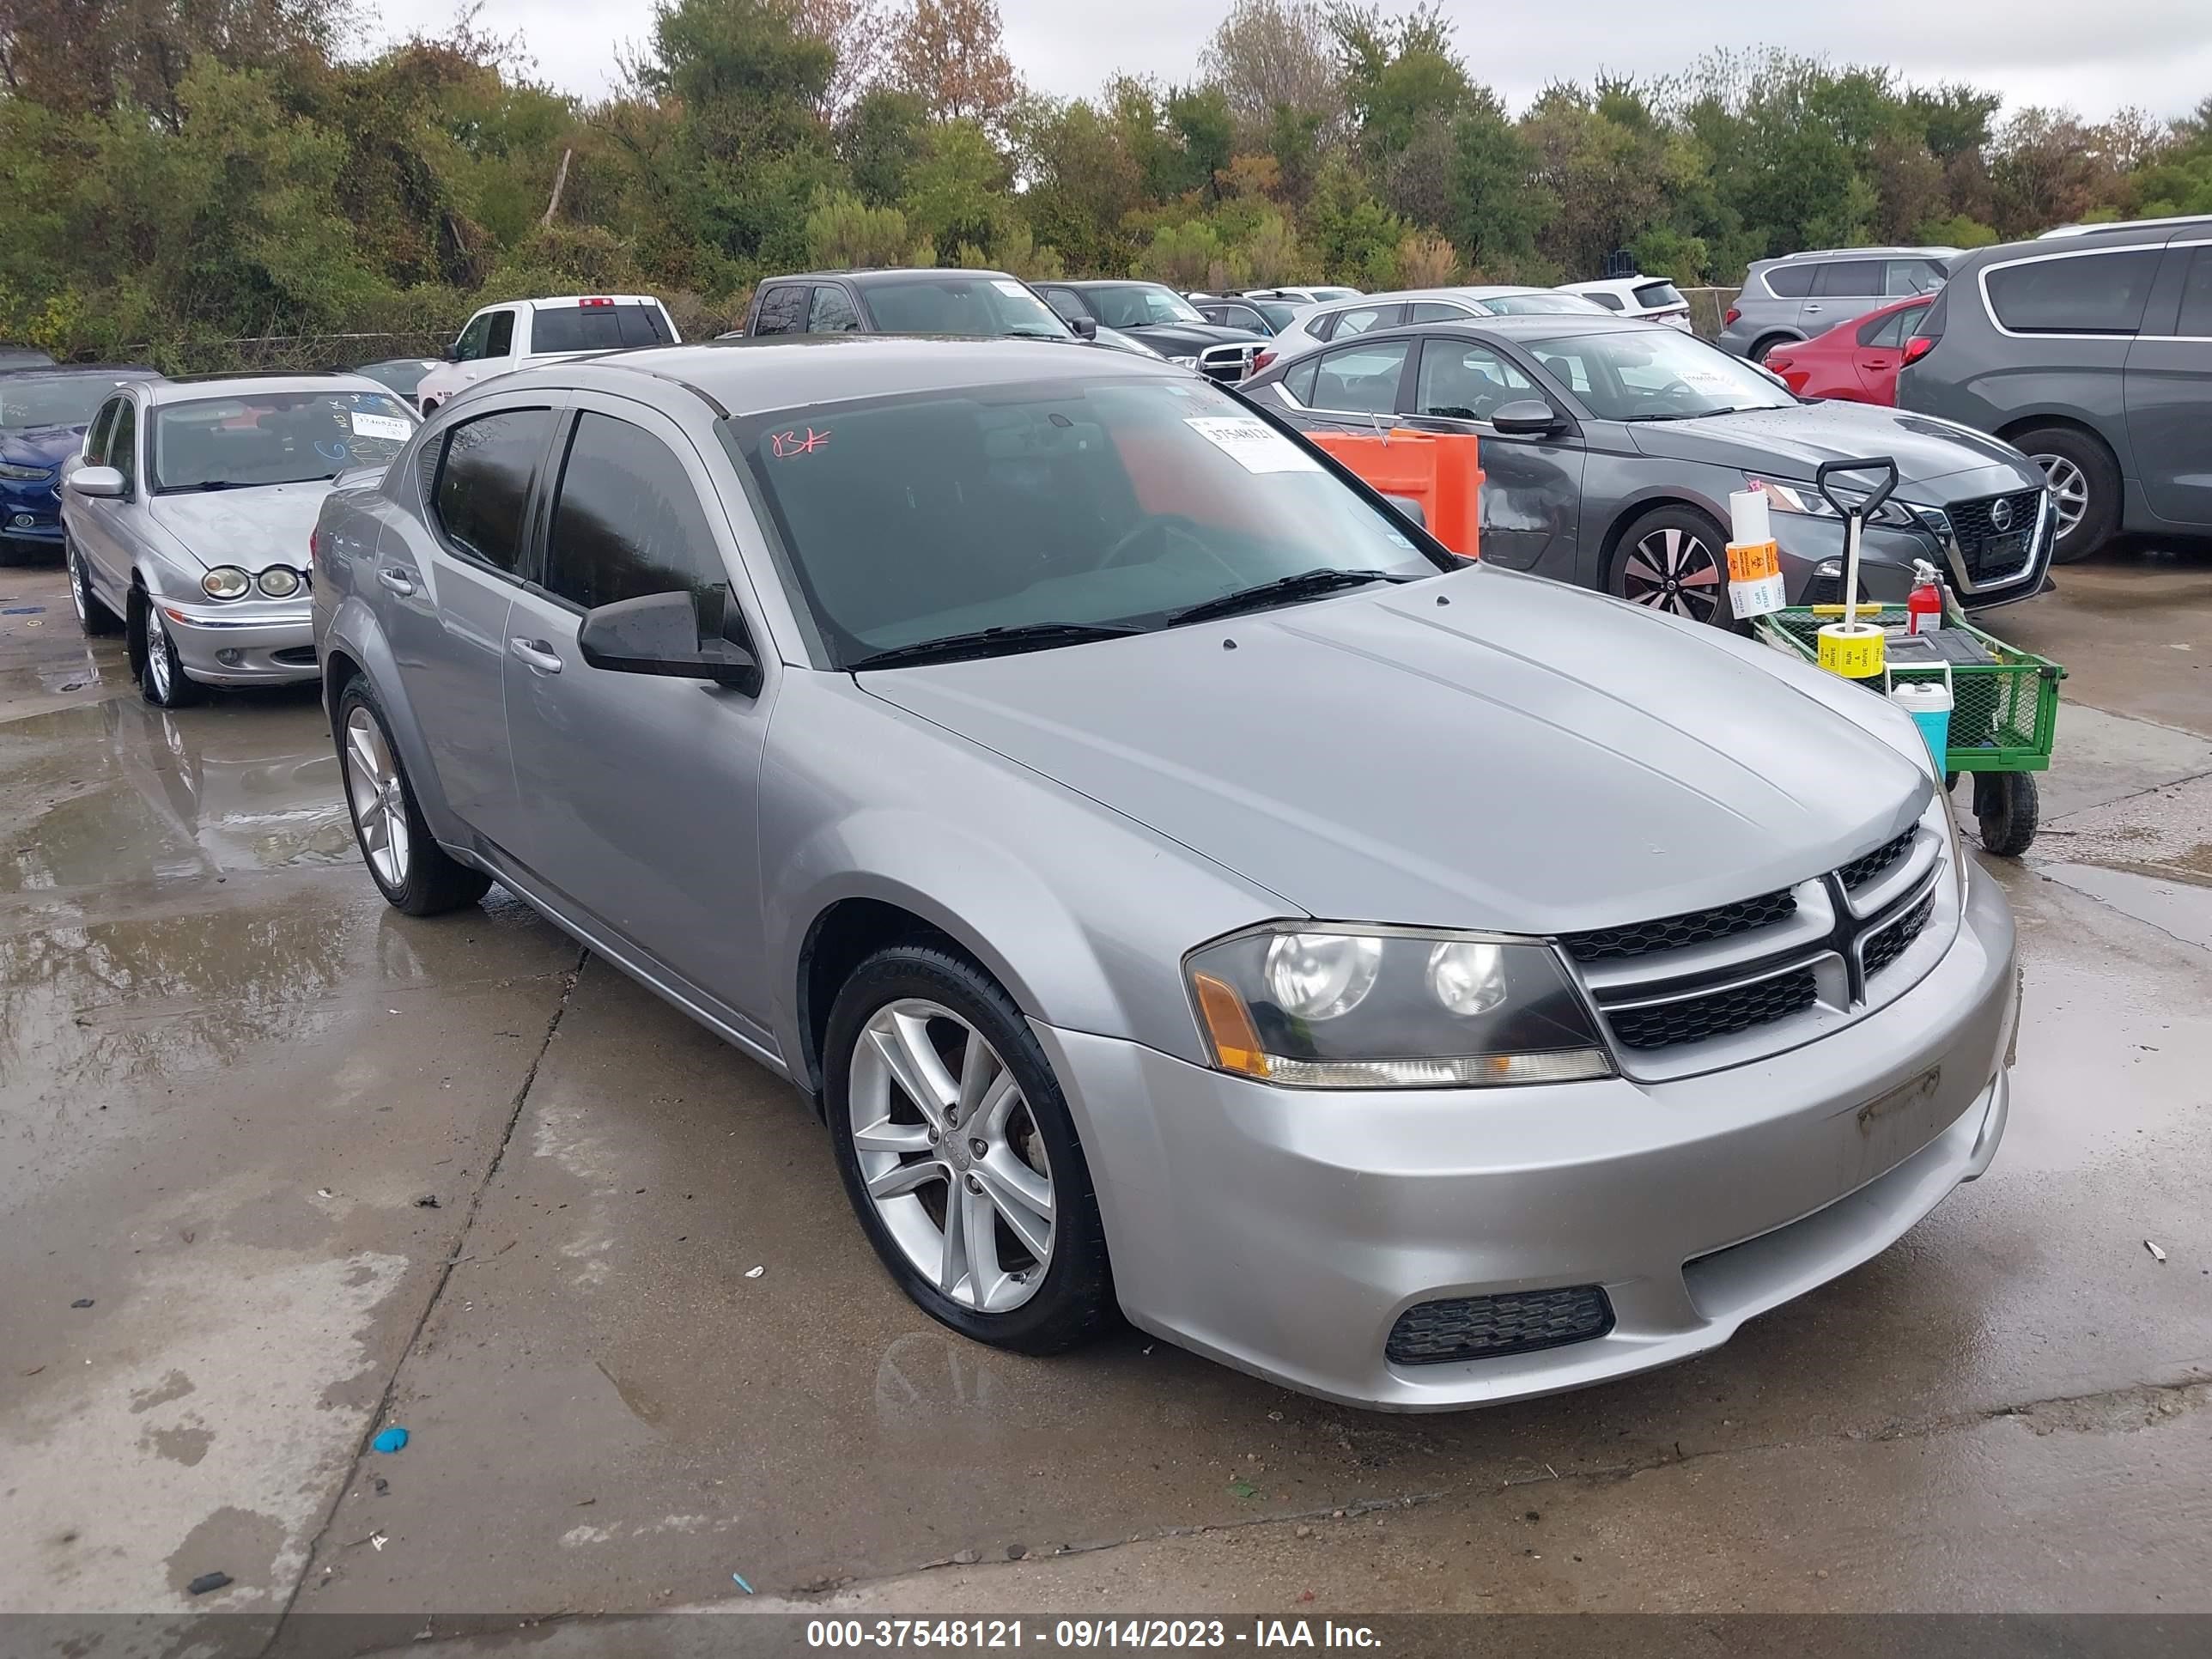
x=116, y=792
x=2177, y=902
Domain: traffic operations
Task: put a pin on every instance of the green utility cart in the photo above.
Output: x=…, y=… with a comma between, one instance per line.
x=2004, y=710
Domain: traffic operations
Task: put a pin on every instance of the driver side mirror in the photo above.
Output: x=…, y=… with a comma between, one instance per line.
x=101, y=480
x=1526, y=417
x=452, y=353
x=1087, y=328
x=682, y=635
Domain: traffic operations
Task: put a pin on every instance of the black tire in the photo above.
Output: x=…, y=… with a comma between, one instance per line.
x=161, y=677
x=2008, y=807
x=93, y=615
x=434, y=881
x=1640, y=567
x=1767, y=342
x=1074, y=1304
x=2051, y=446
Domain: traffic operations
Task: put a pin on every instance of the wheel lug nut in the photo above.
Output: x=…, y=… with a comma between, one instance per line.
x=974, y=1185
x=932, y=1136
x=979, y=1146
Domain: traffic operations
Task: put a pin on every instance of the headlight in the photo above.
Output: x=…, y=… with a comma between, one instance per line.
x=227, y=581
x=1184, y=362
x=279, y=581
x=1808, y=502
x=9, y=469
x=1336, y=1006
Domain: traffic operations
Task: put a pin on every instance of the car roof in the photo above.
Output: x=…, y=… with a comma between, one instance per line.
x=1115, y=281
x=1931, y=252
x=2147, y=233
x=191, y=387
x=788, y=371
x=2175, y=222
x=1537, y=325
x=865, y=274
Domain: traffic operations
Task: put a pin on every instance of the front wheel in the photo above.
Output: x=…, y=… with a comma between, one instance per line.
x=161, y=677
x=957, y=1149
x=1674, y=559
x=414, y=874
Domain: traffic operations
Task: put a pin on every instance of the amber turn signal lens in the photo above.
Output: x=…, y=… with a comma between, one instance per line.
x=1236, y=1044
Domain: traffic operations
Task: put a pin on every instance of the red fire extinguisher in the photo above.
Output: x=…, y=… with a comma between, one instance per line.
x=1924, y=606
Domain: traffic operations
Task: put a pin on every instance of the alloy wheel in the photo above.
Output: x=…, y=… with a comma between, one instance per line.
x=2068, y=485
x=79, y=596
x=158, y=670
x=951, y=1155
x=378, y=797
x=1674, y=569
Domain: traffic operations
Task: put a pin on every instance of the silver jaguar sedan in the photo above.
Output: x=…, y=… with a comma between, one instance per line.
x=1184, y=890
x=185, y=520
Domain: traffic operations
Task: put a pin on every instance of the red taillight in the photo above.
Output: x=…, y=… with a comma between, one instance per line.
x=580, y=304
x=1731, y=315
x=1918, y=347
x=1260, y=361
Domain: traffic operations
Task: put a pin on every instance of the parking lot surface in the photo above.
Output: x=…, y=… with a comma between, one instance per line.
x=279, y=1167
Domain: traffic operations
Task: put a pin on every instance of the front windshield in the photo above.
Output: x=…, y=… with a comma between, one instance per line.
x=274, y=437
x=27, y=402
x=941, y=514
x=1538, y=305
x=1649, y=374
x=1139, y=305
x=987, y=307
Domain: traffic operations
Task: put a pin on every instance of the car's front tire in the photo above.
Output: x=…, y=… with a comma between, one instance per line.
x=2085, y=481
x=414, y=873
x=162, y=680
x=93, y=615
x=1673, y=558
x=959, y=1155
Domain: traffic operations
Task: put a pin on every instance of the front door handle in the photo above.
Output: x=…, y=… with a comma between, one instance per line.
x=535, y=653
x=398, y=581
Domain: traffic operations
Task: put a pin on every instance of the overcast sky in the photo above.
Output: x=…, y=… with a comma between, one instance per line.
x=2092, y=55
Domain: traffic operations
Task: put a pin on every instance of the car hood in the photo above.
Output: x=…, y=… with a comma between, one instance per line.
x=1188, y=339
x=256, y=528
x=1793, y=440
x=1529, y=757
x=41, y=446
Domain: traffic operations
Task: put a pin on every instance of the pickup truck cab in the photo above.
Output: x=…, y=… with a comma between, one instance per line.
x=524, y=333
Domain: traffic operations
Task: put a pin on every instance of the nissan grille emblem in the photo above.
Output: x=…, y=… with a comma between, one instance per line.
x=2000, y=514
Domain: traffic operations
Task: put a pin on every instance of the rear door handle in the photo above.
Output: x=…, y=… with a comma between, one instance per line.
x=535, y=653
x=1809, y=310
x=398, y=581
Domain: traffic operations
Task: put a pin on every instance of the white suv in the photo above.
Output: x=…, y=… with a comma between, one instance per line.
x=1647, y=299
x=523, y=333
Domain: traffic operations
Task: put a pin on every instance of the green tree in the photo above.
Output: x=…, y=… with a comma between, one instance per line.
x=882, y=139
x=845, y=231
x=957, y=192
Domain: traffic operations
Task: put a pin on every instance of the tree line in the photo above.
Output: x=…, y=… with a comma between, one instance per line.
x=174, y=171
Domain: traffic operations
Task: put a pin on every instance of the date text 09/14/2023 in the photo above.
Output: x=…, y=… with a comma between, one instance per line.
x=1087, y=1633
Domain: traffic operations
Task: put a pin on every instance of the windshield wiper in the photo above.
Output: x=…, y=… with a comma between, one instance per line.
x=1306, y=584
x=992, y=643
x=1696, y=414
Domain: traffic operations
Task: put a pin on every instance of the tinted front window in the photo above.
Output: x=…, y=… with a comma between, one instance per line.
x=95, y=443
x=1064, y=302
x=1655, y=374
x=1300, y=377
x=483, y=483
x=501, y=342
x=921, y=517
x=1892, y=330
x=1138, y=305
x=470, y=346
x=597, y=327
x=1851, y=278
x=1465, y=382
x=628, y=522
x=123, y=444
x=274, y=437
x=27, y=401
x=2197, y=295
x=1788, y=282
x=2089, y=294
x=783, y=311
x=986, y=307
x=1362, y=380
x=832, y=313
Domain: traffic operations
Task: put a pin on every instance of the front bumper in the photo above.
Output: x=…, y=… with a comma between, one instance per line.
x=1284, y=1231
x=1812, y=553
x=251, y=642
x=31, y=513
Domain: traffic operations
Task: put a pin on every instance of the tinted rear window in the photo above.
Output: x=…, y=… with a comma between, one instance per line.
x=598, y=328
x=1652, y=295
x=2086, y=293
x=1788, y=282
x=2196, y=296
x=1851, y=278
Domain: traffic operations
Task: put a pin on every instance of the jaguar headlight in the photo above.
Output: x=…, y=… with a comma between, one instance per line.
x=227, y=581
x=279, y=581
x=1336, y=1006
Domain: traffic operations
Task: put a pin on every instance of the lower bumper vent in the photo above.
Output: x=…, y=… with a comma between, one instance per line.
x=1488, y=1327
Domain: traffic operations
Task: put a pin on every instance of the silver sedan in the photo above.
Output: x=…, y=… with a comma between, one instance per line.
x=186, y=519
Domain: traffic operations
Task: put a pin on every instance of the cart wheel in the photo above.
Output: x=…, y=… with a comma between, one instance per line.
x=2008, y=807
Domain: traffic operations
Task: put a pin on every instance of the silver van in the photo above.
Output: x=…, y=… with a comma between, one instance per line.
x=1808, y=294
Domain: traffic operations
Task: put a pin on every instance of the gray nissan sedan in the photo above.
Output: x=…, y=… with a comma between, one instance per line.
x=1184, y=890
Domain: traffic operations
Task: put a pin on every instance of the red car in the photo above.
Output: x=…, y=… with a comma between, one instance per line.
x=1855, y=361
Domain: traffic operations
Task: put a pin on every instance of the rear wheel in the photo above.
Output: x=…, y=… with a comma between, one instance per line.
x=1769, y=343
x=959, y=1155
x=2084, y=481
x=413, y=872
x=1674, y=559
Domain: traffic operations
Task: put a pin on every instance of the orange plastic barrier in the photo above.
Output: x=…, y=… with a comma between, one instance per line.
x=1441, y=470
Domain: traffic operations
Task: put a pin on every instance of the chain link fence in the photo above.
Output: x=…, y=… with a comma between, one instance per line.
x=1708, y=308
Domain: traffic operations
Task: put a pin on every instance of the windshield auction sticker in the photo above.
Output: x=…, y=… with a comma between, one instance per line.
x=379, y=426
x=1253, y=445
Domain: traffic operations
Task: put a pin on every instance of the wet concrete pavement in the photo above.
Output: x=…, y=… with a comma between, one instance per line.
x=229, y=1077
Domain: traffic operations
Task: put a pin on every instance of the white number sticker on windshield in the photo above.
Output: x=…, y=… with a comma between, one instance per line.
x=1011, y=290
x=379, y=426
x=1252, y=444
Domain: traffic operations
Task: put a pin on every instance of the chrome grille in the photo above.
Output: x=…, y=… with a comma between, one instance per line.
x=1228, y=362
x=1861, y=871
x=1672, y=933
x=1887, y=944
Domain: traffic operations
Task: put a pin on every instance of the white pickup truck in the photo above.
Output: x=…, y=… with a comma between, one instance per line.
x=523, y=333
